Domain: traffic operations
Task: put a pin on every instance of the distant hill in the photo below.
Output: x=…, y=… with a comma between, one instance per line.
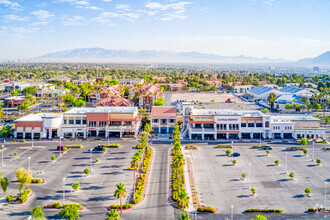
x=105, y=55
x=323, y=59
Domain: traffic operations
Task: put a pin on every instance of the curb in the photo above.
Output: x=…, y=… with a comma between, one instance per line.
x=26, y=199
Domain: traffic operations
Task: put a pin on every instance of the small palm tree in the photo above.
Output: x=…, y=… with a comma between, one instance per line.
x=183, y=202
x=178, y=162
x=120, y=193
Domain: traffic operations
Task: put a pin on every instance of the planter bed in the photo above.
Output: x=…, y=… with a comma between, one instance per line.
x=61, y=207
x=117, y=207
x=264, y=211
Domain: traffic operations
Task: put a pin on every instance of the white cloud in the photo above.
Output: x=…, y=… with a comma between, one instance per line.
x=10, y=4
x=9, y=18
x=106, y=0
x=167, y=12
x=84, y=3
x=124, y=15
x=124, y=7
x=269, y=2
x=94, y=8
x=73, y=21
x=42, y=15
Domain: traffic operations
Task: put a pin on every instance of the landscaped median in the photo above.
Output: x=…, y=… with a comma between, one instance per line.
x=73, y=146
x=318, y=210
x=57, y=205
x=111, y=145
x=20, y=198
x=266, y=211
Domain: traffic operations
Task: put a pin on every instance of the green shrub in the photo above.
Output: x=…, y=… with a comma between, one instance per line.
x=318, y=161
x=114, y=145
x=87, y=171
x=147, y=160
x=307, y=190
x=259, y=147
x=326, y=148
x=15, y=154
x=191, y=147
x=234, y=162
x=291, y=175
x=253, y=190
x=243, y=175
x=206, y=209
x=75, y=186
x=23, y=197
x=124, y=206
x=305, y=151
x=97, y=160
x=304, y=141
x=264, y=210
x=36, y=180
x=73, y=204
x=73, y=146
x=223, y=146
x=295, y=148
x=56, y=205
x=53, y=157
x=9, y=198
x=267, y=152
x=277, y=162
x=23, y=140
x=65, y=148
x=104, y=149
x=228, y=152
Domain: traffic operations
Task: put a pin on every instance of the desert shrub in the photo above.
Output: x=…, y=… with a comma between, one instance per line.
x=65, y=148
x=318, y=161
x=75, y=186
x=264, y=210
x=97, y=160
x=56, y=205
x=114, y=145
x=87, y=171
x=305, y=151
x=147, y=160
x=23, y=197
x=23, y=140
x=73, y=204
x=15, y=154
x=9, y=198
x=73, y=146
x=36, y=180
x=206, y=209
x=223, y=146
x=234, y=162
x=104, y=149
x=243, y=175
x=228, y=152
x=291, y=175
x=253, y=190
x=53, y=157
x=277, y=162
x=191, y=147
x=307, y=190
x=114, y=206
x=259, y=147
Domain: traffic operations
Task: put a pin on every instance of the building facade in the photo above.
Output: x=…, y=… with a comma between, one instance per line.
x=218, y=124
x=81, y=122
x=163, y=119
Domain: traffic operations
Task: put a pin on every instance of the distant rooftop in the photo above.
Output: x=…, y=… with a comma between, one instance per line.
x=102, y=110
x=226, y=112
x=291, y=89
x=39, y=116
x=163, y=111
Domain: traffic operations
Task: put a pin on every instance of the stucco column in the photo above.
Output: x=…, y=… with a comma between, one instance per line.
x=15, y=134
x=189, y=135
x=50, y=133
x=203, y=136
x=282, y=135
x=215, y=136
x=227, y=135
x=251, y=135
x=97, y=132
x=239, y=135
x=23, y=135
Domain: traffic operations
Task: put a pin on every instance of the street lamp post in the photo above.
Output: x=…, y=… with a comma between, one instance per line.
x=313, y=152
x=91, y=150
x=29, y=159
x=325, y=195
x=3, y=148
x=60, y=147
x=232, y=212
x=64, y=191
x=286, y=161
x=32, y=134
x=232, y=145
x=249, y=175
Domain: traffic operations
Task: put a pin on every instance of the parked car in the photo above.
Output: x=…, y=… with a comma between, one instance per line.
x=267, y=147
x=99, y=147
x=236, y=154
x=61, y=147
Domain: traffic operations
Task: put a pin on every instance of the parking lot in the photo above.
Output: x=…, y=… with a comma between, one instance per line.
x=96, y=190
x=206, y=97
x=219, y=185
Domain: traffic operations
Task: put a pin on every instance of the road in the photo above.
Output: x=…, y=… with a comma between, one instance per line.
x=156, y=204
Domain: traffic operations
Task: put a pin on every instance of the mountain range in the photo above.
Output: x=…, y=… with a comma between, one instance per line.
x=163, y=56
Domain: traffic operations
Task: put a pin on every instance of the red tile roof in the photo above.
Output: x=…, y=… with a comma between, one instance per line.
x=115, y=102
x=163, y=111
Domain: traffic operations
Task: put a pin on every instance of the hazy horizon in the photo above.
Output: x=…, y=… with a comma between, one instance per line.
x=277, y=29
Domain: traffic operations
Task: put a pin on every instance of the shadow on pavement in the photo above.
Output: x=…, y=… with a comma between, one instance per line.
x=299, y=196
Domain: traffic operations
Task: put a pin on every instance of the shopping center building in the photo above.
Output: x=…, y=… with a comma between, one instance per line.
x=81, y=122
x=224, y=124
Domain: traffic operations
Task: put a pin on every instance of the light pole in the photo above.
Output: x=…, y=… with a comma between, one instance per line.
x=325, y=195
x=249, y=175
x=29, y=159
x=232, y=145
x=286, y=161
x=64, y=191
x=313, y=152
x=60, y=147
x=108, y=136
x=91, y=150
x=32, y=135
x=3, y=148
x=232, y=212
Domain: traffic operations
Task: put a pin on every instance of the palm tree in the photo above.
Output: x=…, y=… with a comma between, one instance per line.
x=178, y=162
x=184, y=216
x=112, y=215
x=183, y=202
x=119, y=194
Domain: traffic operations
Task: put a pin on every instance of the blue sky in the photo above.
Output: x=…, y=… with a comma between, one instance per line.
x=287, y=29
